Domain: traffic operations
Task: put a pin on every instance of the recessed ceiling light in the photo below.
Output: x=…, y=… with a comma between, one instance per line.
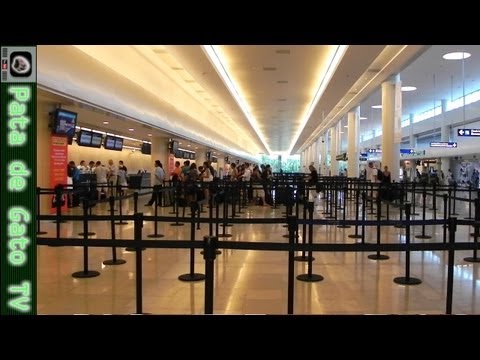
x=106, y=123
x=376, y=106
x=131, y=129
x=457, y=55
x=189, y=145
x=409, y=88
x=149, y=134
x=363, y=118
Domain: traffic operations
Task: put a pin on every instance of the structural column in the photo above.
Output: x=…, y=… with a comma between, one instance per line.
x=391, y=125
x=352, y=146
x=159, y=152
x=445, y=136
x=333, y=150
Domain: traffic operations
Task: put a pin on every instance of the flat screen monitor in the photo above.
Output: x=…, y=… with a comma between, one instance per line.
x=109, y=143
x=64, y=122
x=96, y=139
x=84, y=138
x=146, y=148
x=174, y=146
x=118, y=144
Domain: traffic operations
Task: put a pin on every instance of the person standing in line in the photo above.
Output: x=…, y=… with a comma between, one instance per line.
x=158, y=178
x=122, y=177
x=112, y=176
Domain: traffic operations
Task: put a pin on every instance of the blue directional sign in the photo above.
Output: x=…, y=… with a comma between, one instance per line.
x=468, y=132
x=447, y=144
x=374, y=151
x=407, y=151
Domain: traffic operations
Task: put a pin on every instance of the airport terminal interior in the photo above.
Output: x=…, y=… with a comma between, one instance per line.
x=333, y=146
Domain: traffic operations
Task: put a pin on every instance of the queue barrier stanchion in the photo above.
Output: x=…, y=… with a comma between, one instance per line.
x=210, y=244
x=178, y=199
x=364, y=214
x=39, y=231
x=192, y=276
x=445, y=216
x=474, y=258
x=85, y=273
x=424, y=205
x=155, y=223
x=469, y=217
x=132, y=248
x=120, y=202
x=378, y=256
x=57, y=202
x=454, y=198
x=302, y=257
x=113, y=260
x=357, y=213
x=452, y=228
x=309, y=276
x=225, y=213
x=414, y=200
x=478, y=197
x=87, y=210
x=407, y=279
x=292, y=228
x=344, y=226
x=135, y=202
x=137, y=230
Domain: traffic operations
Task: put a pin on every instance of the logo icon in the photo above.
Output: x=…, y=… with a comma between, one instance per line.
x=20, y=64
x=4, y=64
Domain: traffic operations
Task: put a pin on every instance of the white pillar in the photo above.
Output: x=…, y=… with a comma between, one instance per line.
x=352, y=146
x=391, y=125
x=413, y=139
x=333, y=151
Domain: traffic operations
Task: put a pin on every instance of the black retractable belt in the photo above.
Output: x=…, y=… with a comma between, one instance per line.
x=192, y=276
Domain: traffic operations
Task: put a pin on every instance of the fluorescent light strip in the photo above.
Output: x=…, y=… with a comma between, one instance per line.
x=334, y=62
x=217, y=62
x=326, y=126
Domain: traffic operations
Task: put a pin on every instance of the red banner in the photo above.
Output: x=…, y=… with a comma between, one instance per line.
x=58, y=165
x=171, y=164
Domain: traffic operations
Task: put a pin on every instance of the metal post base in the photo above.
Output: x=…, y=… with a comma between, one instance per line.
x=85, y=274
x=155, y=235
x=217, y=252
x=472, y=259
x=133, y=249
x=286, y=236
x=353, y=236
x=312, y=278
x=115, y=262
x=378, y=257
x=192, y=277
x=302, y=258
x=402, y=280
x=423, y=237
x=90, y=233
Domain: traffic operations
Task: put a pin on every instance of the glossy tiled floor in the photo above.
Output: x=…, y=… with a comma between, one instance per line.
x=253, y=282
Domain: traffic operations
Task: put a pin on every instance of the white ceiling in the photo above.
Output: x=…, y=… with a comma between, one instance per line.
x=435, y=79
x=184, y=81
